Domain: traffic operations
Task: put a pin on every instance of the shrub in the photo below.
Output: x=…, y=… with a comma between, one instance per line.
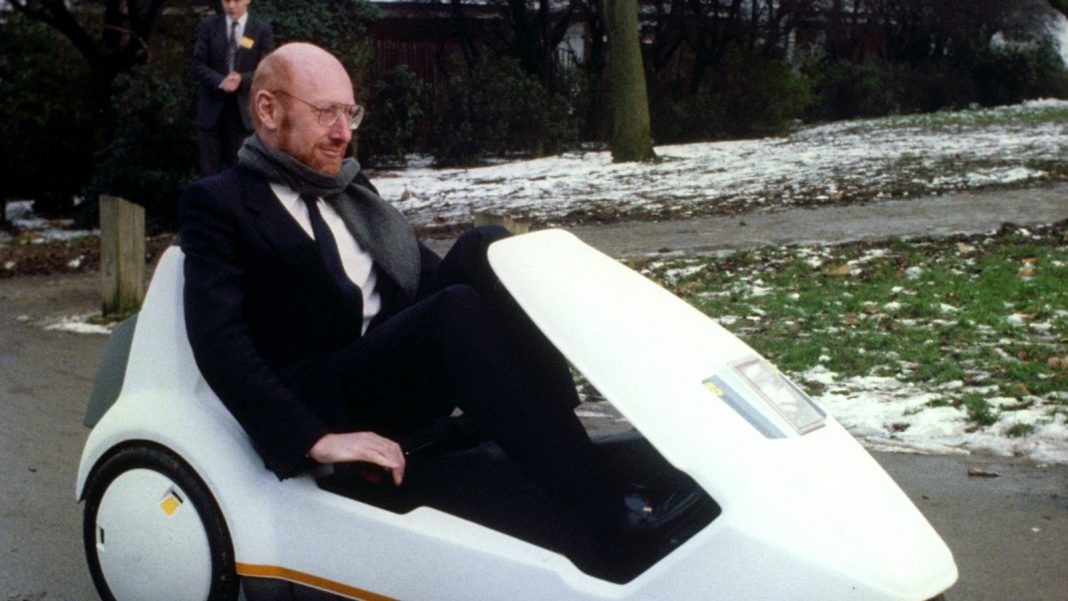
x=339, y=26
x=846, y=90
x=1012, y=73
x=747, y=96
x=497, y=109
x=984, y=74
x=395, y=111
x=152, y=154
x=48, y=128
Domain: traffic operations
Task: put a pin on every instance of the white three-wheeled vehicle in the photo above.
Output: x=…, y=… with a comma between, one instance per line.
x=179, y=506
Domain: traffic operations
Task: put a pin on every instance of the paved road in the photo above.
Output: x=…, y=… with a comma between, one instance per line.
x=971, y=213
x=1009, y=534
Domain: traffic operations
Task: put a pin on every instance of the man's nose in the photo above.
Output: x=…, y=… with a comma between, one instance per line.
x=341, y=130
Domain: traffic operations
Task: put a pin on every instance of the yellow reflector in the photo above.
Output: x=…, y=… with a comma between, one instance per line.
x=169, y=505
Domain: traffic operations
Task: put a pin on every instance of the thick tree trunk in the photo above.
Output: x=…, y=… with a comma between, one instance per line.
x=631, y=137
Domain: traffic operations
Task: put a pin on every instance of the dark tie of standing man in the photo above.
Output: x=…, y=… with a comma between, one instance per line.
x=231, y=47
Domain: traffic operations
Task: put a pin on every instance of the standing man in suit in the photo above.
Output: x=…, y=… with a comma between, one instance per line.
x=227, y=49
x=333, y=336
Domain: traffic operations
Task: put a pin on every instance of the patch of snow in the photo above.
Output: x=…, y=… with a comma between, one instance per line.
x=674, y=275
x=78, y=324
x=890, y=415
x=20, y=214
x=869, y=158
x=1018, y=319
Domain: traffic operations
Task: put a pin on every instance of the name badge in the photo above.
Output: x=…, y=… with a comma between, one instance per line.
x=247, y=42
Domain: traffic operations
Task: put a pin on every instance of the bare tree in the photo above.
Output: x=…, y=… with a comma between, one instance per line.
x=116, y=47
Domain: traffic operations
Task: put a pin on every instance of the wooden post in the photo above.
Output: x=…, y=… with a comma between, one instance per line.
x=122, y=255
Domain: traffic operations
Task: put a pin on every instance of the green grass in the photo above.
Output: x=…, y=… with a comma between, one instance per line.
x=977, y=318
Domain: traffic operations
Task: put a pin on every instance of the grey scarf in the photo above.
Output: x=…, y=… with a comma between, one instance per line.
x=379, y=228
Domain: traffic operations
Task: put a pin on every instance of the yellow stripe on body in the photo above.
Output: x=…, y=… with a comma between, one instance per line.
x=261, y=571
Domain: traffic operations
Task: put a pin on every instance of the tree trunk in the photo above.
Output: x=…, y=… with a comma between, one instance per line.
x=631, y=138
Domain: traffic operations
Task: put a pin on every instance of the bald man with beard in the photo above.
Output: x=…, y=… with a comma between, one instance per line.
x=336, y=338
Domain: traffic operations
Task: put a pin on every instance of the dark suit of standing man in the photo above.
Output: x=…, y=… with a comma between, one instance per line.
x=227, y=49
x=331, y=334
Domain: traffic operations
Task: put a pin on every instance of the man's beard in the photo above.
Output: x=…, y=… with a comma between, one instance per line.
x=307, y=156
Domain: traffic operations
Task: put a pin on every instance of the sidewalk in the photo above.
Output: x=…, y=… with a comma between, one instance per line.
x=933, y=216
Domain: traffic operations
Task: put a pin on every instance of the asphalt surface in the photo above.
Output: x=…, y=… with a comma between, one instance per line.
x=1009, y=532
x=937, y=216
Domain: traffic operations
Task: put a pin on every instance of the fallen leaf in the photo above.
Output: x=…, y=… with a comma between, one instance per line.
x=852, y=319
x=871, y=309
x=976, y=472
x=839, y=270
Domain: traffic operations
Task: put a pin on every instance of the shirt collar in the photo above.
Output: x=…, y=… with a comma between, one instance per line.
x=240, y=22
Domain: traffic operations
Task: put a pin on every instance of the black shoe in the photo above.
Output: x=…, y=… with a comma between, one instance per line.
x=649, y=513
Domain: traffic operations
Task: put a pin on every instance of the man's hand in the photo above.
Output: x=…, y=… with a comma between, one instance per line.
x=361, y=446
x=231, y=82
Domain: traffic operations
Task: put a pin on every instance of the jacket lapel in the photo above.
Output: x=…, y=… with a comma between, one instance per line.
x=297, y=251
x=244, y=55
x=222, y=38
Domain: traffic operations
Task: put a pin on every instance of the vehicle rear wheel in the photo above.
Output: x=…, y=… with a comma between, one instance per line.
x=152, y=530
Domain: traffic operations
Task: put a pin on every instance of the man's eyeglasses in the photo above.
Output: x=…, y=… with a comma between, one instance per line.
x=328, y=116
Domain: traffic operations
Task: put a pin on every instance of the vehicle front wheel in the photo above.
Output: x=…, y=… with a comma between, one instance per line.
x=152, y=530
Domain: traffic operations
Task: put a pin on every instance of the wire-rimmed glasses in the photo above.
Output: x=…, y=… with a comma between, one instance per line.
x=328, y=116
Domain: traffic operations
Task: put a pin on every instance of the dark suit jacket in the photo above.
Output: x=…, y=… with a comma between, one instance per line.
x=262, y=311
x=209, y=66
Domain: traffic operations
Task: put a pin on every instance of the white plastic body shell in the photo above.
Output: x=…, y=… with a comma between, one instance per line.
x=805, y=517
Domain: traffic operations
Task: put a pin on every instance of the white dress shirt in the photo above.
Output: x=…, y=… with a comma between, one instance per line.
x=357, y=262
x=240, y=27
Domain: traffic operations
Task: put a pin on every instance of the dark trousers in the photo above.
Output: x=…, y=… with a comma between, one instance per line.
x=466, y=344
x=218, y=145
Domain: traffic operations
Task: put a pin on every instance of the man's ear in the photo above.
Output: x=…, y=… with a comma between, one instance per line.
x=267, y=109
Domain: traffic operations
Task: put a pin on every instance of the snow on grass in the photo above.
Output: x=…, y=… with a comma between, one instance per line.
x=962, y=354
x=37, y=230
x=888, y=414
x=826, y=164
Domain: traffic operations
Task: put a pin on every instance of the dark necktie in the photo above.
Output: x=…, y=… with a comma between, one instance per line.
x=231, y=47
x=328, y=250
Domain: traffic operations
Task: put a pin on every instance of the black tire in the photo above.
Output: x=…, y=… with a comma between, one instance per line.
x=224, y=579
